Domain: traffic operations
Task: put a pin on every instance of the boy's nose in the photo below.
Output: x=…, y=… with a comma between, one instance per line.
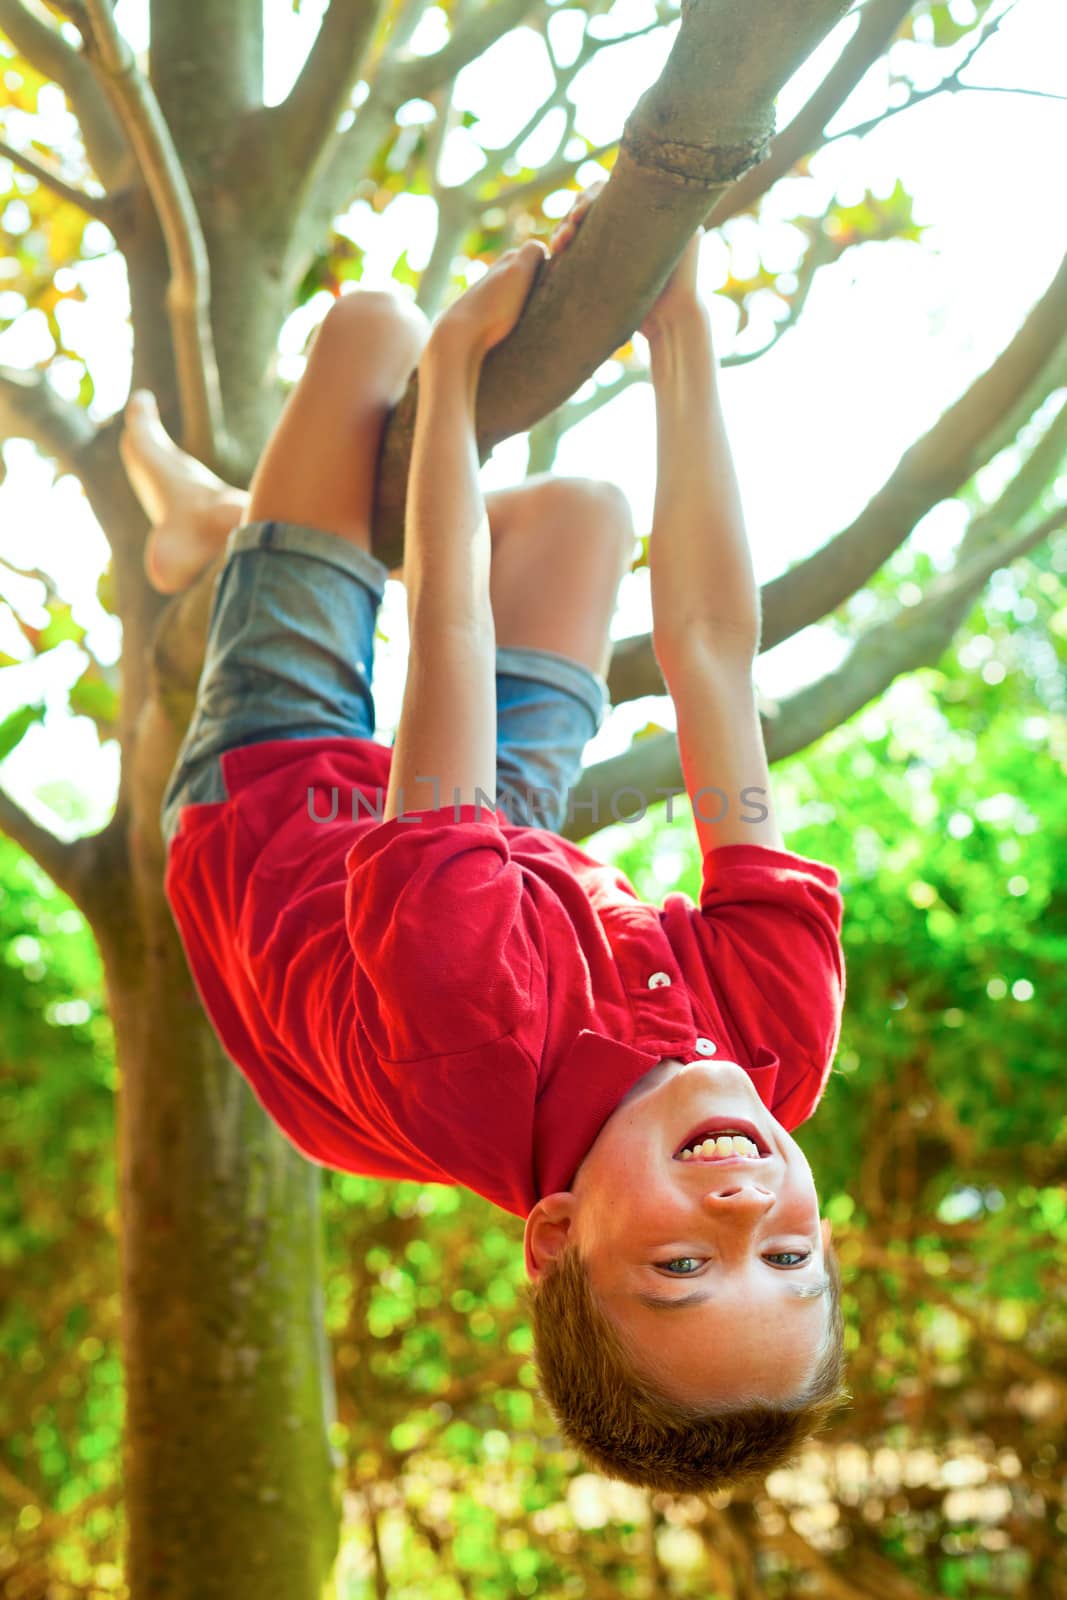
x=736, y=1196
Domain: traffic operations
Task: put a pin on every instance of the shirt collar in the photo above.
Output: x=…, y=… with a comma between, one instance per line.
x=591, y=1079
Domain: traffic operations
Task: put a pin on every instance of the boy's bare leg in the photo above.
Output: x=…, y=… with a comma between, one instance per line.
x=560, y=549
x=320, y=462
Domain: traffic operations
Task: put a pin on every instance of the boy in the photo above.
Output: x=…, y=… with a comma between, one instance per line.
x=419, y=984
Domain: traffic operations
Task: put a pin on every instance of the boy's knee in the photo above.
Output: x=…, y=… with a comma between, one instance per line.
x=362, y=312
x=597, y=506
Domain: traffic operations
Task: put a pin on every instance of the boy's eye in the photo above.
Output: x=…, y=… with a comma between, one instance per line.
x=796, y=1258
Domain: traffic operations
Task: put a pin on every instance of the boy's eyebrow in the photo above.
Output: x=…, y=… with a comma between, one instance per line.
x=801, y=1291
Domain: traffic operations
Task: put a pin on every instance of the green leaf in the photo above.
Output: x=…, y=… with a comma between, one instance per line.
x=57, y=630
x=14, y=728
x=95, y=696
x=946, y=29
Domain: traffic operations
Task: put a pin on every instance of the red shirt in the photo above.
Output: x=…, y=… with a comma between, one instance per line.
x=447, y=998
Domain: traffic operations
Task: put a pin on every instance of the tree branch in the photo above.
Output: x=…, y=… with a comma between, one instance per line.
x=821, y=251
x=46, y=50
x=416, y=76
x=704, y=120
x=459, y=205
x=398, y=78
x=1030, y=482
x=702, y=124
x=546, y=434
x=188, y=292
x=301, y=126
x=64, y=862
x=952, y=84
x=912, y=636
x=31, y=409
x=935, y=466
x=94, y=205
x=876, y=28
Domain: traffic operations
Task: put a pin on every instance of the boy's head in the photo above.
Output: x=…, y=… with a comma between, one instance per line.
x=698, y=1396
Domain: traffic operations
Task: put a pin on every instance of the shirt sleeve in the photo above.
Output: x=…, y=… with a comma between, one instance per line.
x=447, y=958
x=769, y=924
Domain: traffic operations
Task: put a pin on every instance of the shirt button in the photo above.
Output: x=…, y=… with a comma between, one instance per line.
x=659, y=980
x=705, y=1047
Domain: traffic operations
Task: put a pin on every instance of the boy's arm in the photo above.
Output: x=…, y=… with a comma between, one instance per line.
x=705, y=603
x=445, y=748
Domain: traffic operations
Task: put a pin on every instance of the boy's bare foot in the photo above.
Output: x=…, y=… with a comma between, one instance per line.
x=192, y=511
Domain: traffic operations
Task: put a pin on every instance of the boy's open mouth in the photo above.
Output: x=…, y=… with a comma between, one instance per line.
x=723, y=1139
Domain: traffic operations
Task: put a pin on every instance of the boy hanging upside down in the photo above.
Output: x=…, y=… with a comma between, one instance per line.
x=418, y=977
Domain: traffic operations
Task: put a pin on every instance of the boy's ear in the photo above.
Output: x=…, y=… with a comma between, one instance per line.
x=547, y=1228
x=826, y=1227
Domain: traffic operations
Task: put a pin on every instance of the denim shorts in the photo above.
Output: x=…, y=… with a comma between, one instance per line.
x=290, y=654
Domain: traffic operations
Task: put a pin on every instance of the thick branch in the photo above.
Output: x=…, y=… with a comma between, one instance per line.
x=95, y=205
x=1052, y=376
x=875, y=30
x=45, y=48
x=188, y=292
x=302, y=125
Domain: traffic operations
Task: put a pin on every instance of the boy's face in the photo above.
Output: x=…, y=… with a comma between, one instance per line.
x=740, y=1235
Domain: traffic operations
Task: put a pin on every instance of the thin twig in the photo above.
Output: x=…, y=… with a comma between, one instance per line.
x=99, y=206
x=188, y=292
x=820, y=254
x=951, y=84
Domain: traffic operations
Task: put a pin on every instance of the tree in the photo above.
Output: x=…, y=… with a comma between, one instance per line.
x=222, y=208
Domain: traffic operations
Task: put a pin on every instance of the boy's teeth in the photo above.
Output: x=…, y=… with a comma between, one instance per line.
x=725, y=1144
